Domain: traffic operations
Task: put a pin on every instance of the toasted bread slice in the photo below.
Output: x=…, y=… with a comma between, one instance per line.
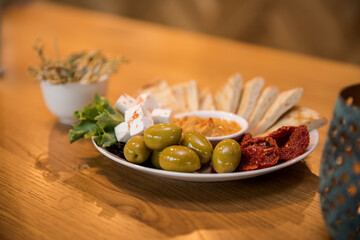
x=250, y=95
x=206, y=100
x=283, y=103
x=192, y=96
x=227, y=99
x=163, y=94
x=297, y=116
x=266, y=99
x=154, y=86
x=187, y=95
x=179, y=94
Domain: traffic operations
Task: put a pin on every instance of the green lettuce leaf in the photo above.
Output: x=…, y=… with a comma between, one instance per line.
x=84, y=129
x=106, y=139
x=109, y=120
x=87, y=113
x=97, y=119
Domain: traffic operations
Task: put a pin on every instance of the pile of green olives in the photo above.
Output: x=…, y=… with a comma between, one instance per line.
x=168, y=149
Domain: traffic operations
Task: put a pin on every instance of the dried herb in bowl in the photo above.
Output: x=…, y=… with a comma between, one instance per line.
x=83, y=67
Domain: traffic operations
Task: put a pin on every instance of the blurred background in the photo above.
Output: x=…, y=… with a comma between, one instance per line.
x=323, y=28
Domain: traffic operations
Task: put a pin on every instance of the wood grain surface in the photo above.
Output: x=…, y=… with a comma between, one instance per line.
x=50, y=189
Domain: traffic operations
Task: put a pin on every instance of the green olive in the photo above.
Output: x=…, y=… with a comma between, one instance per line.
x=199, y=144
x=160, y=136
x=155, y=159
x=226, y=156
x=179, y=159
x=135, y=150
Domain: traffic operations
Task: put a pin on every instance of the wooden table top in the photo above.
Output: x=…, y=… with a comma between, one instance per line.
x=53, y=190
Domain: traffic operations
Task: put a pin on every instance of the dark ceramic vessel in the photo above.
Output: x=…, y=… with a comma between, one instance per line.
x=340, y=169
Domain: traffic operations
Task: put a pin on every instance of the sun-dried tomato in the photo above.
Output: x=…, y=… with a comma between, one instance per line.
x=282, y=135
x=251, y=157
x=245, y=137
x=296, y=144
x=261, y=152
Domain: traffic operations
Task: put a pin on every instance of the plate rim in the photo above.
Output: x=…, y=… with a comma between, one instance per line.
x=211, y=177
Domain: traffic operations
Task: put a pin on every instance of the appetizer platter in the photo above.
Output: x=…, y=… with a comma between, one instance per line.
x=184, y=133
x=205, y=174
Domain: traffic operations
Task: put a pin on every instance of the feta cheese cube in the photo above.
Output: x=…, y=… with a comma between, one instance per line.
x=161, y=115
x=139, y=125
x=147, y=101
x=137, y=111
x=138, y=119
x=140, y=114
x=124, y=103
x=122, y=132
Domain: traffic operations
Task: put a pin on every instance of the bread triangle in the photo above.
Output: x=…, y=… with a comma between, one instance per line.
x=178, y=91
x=191, y=96
x=206, y=100
x=227, y=99
x=163, y=94
x=266, y=99
x=283, y=103
x=250, y=95
x=297, y=116
x=187, y=95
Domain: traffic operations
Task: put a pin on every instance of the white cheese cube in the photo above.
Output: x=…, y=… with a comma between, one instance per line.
x=122, y=132
x=139, y=125
x=147, y=101
x=138, y=119
x=124, y=103
x=161, y=115
x=137, y=111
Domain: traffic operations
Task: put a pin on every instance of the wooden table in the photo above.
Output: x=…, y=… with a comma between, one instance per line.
x=50, y=189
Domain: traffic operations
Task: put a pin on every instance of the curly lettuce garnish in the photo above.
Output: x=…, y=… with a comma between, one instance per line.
x=97, y=119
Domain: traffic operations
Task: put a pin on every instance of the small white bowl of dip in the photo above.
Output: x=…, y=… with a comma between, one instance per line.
x=64, y=99
x=243, y=124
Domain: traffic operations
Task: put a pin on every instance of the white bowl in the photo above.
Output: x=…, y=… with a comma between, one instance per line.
x=222, y=115
x=64, y=99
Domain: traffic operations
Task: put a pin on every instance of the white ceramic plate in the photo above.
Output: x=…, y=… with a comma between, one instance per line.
x=212, y=177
